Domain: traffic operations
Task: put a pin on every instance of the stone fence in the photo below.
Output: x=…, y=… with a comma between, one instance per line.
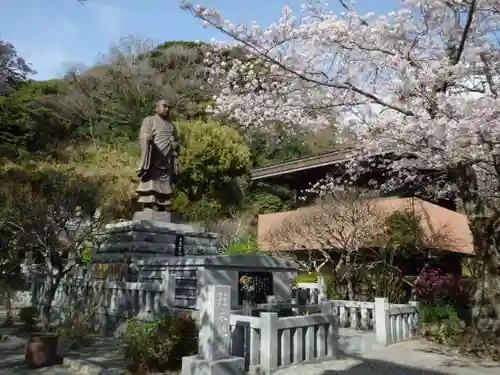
x=263, y=339
x=237, y=344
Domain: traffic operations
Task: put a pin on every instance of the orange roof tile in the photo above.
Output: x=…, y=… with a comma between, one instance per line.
x=313, y=227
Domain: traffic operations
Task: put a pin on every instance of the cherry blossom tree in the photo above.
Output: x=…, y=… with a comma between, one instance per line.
x=421, y=81
x=13, y=68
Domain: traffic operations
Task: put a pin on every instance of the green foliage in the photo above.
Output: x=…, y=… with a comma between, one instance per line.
x=404, y=232
x=246, y=244
x=29, y=122
x=39, y=202
x=384, y=280
x=28, y=315
x=159, y=345
x=283, y=147
x=307, y=277
x=333, y=288
x=204, y=210
x=441, y=323
x=109, y=101
x=85, y=126
x=87, y=256
x=211, y=155
x=262, y=199
x=403, y=238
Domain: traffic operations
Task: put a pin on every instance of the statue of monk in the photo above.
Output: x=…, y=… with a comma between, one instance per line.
x=160, y=159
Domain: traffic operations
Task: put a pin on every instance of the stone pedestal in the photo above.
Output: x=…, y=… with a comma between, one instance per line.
x=228, y=366
x=151, y=215
x=142, y=239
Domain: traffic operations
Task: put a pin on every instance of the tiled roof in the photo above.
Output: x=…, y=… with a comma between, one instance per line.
x=295, y=230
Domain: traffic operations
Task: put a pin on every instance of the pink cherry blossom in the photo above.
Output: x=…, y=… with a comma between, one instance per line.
x=420, y=81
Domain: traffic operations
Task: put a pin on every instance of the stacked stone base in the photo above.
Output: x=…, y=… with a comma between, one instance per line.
x=142, y=239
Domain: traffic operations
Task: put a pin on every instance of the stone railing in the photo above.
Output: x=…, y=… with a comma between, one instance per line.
x=395, y=323
x=114, y=299
x=268, y=342
x=236, y=344
x=355, y=314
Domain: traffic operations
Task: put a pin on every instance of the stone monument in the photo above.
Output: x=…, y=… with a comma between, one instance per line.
x=154, y=229
x=214, y=338
x=160, y=146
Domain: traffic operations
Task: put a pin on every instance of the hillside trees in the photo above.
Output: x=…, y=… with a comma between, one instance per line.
x=111, y=99
x=90, y=118
x=29, y=120
x=13, y=68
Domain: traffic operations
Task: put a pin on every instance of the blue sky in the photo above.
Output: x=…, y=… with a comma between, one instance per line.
x=54, y=35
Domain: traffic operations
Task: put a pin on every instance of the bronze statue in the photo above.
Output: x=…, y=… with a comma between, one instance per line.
x=160, y=159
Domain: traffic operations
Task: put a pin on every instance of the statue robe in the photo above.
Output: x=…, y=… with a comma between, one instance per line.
x=160, y=162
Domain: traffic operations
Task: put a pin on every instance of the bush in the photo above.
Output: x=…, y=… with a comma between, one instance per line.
x=307, y=277
x=159, y=345
x=441, y=323
x=244, y=245
x=28, y=315
x=434, y=287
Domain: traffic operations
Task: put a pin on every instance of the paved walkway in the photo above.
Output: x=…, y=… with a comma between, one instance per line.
x=409, y=358
x=12, y=360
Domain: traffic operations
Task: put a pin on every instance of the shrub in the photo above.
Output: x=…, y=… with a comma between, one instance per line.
x=244, y=245
x=441, y=323
x=434, y=287
x=159, y=345
x=28, y=315
x=430, y=314
x=307, y=277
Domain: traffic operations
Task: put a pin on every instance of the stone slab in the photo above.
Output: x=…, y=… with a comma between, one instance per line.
x=151, y=215
x=156, y=227
x=214, y=337
x=193, y=365
x=156, y=248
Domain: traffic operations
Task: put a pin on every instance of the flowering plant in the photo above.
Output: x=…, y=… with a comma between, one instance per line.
x=247, y=284
x=392, y=84
x=434, y=286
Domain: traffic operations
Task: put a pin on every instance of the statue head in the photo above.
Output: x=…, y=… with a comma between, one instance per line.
x=163, y=109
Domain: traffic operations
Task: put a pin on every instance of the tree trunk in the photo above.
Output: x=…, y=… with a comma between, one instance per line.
x=486, y=299
x=8, y=306
x=349, y=275
x=51, y=285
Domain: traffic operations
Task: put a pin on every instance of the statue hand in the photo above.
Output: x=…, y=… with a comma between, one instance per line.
x=149, y=137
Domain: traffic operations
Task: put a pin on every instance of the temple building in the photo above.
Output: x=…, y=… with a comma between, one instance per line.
x=435, y=215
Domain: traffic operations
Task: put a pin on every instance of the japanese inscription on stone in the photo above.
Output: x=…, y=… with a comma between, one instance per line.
x=222, y=324
x=179, y=246
x=215, y=333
